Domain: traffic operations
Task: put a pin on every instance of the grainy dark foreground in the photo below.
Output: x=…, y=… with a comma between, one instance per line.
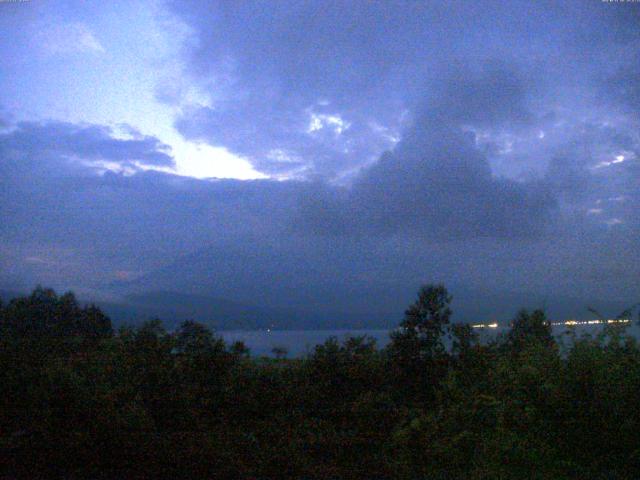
x=78, y=400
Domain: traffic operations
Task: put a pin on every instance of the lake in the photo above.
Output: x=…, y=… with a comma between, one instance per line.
x=301, y=342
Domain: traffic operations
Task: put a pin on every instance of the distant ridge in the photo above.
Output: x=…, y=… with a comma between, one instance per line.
x=217, y=313
x=223, y=314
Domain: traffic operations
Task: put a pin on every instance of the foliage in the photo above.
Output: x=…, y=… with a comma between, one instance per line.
x=528, y=328
x=417, y=350
x=79, y=401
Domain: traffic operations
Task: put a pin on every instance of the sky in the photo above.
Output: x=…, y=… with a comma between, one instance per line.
x=326, y=155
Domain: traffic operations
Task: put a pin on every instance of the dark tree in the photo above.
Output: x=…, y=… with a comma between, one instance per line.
x=148, y=403
x=279, y=352
x=240, y=349
x=194, y=338
x=529, y=328
x=43, y=313
x=416, y=347
x=464, y=338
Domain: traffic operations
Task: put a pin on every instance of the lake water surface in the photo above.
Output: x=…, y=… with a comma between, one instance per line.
x=301, y=342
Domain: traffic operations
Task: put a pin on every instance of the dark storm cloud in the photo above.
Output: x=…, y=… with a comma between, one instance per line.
x=55, y=146
x=491, y=145
x=428, y=210
x=496, y=95
x=41, y=152
x=435, y=183
x=310, y=80
x=623, y=88
x=5, y=118
x=272, y=71
x=499, y=152
x=87, y=225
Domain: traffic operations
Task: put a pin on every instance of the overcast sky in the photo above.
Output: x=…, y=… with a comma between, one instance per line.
x=313, y=152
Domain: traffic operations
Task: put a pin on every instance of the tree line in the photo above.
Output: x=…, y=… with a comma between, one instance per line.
x=80, y=400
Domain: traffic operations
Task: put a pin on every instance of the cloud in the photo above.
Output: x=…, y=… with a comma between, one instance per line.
x=282, y=138
x=67, y=38
x=495, y=95
x=292, y=66
x=623, y=87
x=429, y=210
x=435, y=184
x=433, y=180
x=56, y=148
x=457, y=142
x=273, y=73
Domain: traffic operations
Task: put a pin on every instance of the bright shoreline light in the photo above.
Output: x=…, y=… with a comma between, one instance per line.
x=569, y=323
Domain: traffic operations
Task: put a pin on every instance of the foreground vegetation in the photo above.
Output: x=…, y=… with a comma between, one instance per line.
x=79, y=400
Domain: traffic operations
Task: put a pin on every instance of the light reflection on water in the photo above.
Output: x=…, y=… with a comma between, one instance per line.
x=300, y=342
